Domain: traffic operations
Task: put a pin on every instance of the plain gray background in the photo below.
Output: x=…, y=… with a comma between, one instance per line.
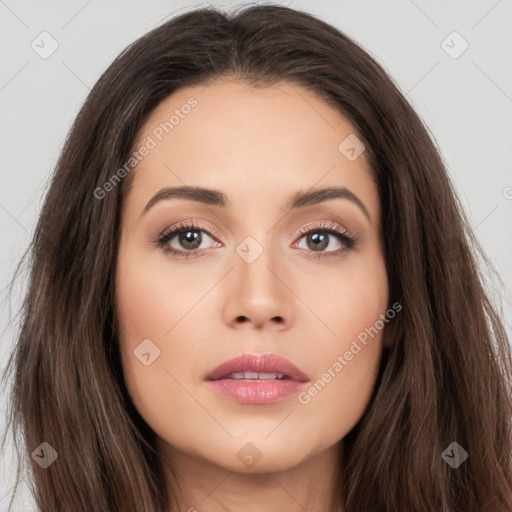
x=465, y=100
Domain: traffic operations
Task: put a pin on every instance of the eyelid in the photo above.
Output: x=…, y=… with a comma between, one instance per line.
x=323, y=225
x=198, y=224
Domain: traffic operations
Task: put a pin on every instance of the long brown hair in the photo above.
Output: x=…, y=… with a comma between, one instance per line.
x=446, y=378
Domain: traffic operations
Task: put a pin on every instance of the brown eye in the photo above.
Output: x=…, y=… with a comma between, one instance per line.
x=190, y=239
x=187, y=239
x=317, y=240
x=326, y=235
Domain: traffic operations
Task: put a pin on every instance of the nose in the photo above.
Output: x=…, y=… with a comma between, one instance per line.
x=259, y=294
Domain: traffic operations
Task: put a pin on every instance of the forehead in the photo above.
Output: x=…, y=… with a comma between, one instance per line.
x=255, y=144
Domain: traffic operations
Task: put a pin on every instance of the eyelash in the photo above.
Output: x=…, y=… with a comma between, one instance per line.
x=347, y=240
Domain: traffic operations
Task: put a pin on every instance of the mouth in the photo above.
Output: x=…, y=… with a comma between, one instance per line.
x=251, y=376
x=257, y=379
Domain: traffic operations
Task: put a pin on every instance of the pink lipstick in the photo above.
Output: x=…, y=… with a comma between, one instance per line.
x=257, y=379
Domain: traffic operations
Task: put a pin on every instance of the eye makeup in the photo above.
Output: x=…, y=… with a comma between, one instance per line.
x=321, y=231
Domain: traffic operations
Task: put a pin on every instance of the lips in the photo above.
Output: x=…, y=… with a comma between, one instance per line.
x=256, y=379
x=251, y=367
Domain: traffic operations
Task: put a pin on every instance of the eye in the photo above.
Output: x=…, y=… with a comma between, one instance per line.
x=321, y=236
x=189, y=237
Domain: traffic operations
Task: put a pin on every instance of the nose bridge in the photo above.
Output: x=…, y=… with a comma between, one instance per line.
x=256, y=264
x=258, y=291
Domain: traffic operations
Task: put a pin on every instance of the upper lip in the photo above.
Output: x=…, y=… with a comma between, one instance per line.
x=262, y=363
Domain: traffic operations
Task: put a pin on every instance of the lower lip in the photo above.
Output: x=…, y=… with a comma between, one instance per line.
x=257, y=392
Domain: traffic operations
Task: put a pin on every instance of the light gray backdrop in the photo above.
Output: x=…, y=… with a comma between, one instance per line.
x=53, y=52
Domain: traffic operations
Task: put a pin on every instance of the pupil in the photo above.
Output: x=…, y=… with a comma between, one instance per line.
x=191, y=237
x=319, y=241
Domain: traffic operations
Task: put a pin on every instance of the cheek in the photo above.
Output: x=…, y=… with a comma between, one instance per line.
x=156, y=298
x=159, y=317
x=351, y=307
x=345, y=300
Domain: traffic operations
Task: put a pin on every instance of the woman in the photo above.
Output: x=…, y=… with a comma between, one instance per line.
x=182, y=345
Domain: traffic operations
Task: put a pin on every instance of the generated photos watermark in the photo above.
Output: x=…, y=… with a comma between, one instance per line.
x=151, y=142
x=343, y=360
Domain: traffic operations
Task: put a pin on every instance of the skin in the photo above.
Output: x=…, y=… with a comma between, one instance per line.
x=258, y=146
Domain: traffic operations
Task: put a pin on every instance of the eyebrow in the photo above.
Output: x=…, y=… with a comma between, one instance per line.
x=212, y=197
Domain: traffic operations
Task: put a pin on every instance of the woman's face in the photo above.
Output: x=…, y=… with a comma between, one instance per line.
x=246, y=281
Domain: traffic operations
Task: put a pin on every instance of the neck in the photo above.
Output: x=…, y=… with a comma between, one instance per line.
x=204, y=486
